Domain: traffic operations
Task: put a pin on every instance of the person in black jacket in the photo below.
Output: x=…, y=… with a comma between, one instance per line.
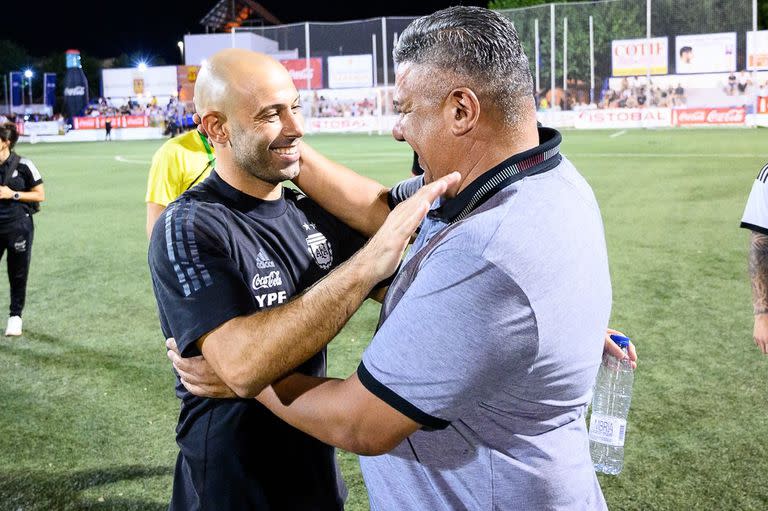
x=21, y=188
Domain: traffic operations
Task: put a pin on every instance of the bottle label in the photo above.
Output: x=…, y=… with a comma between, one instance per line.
x=607, y=430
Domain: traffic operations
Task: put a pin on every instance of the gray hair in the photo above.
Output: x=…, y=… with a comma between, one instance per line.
x=477, y=45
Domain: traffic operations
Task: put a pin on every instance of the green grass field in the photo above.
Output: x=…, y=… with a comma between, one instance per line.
x=87, y=411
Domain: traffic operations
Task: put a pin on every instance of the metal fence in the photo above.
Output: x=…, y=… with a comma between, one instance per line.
x=569, y=45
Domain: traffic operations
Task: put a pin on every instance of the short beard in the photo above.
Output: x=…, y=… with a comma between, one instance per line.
x=254, y=157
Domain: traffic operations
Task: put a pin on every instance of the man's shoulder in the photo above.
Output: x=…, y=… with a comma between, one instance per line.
x=197, y=214
x=26, y=165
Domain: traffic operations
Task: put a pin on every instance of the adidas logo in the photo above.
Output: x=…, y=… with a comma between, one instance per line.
x=262, y=261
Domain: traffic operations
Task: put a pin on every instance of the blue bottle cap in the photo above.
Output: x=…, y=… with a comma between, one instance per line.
x=622, y=341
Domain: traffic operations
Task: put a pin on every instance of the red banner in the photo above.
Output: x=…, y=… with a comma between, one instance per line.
x=120, y=121
x=298, y=70
x=735, y=116
x=762, y=104
x=135, y=121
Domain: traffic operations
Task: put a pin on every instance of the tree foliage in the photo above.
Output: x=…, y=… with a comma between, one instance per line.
x=620, y=19
x=12, y=57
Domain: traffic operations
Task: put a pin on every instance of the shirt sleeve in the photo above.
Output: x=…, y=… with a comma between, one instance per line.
x=32, y=176
x=403, y=190
x=461, y=327
x=164, y=181
x=197, y=285
x=756, y=211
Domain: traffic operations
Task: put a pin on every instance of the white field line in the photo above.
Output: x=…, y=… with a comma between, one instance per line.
x=617, y=134
x=136, y=162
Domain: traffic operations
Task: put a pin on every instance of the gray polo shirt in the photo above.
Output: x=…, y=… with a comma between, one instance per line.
x=491, y=336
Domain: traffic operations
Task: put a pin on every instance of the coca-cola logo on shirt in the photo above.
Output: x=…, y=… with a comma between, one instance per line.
x=266, y=281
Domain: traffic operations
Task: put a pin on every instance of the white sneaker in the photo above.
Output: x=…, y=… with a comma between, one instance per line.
x=14, y=326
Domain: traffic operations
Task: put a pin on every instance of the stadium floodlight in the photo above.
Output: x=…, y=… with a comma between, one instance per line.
x=142, y=66
x=180, y=44
x=28, y=74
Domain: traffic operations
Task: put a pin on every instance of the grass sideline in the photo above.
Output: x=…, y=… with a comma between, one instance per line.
x=88, y=412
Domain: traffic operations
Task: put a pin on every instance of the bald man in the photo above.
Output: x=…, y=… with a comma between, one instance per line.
x=253, y=276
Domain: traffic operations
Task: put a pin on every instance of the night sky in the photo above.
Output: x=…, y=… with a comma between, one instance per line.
x=152, y=27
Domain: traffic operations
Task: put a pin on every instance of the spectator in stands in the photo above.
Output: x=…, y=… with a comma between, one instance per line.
x=743, y=82
x=680, y=95
x=21, y=190
x=642, y=98
x=763, y=90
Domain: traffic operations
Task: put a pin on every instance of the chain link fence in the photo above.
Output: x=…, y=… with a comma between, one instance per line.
x=575, y=52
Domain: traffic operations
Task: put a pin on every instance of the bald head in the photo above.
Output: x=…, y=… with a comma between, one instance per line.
x=233, y=75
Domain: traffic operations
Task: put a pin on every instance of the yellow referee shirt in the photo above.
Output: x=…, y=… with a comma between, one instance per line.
x=179, y=164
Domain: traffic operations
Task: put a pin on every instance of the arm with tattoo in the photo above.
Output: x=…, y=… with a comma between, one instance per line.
x=758, y=273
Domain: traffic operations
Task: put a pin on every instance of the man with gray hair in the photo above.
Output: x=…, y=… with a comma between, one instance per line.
x=473, y=392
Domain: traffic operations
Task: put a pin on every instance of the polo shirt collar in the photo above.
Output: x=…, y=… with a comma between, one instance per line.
x=539, y=159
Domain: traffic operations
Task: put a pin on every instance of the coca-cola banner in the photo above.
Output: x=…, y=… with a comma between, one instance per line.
x=300, y=73
x=735, y=116
x=118, y=121
x=620, y=118
x=75, y=92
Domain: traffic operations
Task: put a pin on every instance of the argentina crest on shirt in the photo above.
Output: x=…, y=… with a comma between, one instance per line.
x=321, y=250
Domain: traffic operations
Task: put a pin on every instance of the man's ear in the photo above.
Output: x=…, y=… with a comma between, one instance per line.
x=463, y=107
x=213, y=125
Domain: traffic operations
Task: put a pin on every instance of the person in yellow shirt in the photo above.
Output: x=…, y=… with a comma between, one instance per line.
x=178, y=165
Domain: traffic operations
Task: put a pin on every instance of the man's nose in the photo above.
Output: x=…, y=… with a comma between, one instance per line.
x=293, y=125
x=397, y=132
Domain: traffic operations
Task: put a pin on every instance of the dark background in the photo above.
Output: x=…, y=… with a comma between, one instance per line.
x=105, y=29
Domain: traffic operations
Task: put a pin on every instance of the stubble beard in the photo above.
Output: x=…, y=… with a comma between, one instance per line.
x=253, y=156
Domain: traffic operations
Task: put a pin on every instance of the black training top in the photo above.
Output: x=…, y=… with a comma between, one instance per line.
x=24, y=178
x=215, y=254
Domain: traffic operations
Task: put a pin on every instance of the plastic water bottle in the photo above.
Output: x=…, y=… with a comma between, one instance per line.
x=610, y=406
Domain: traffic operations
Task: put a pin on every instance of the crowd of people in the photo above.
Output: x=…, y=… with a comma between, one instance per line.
x=175, y=116
x=744, y=84
x=638, y=92
x=322, y=106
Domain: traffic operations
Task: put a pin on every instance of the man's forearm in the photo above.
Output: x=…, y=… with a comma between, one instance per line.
x=252, y=351
x=341, y=413
x=356, y=200
x=758, y=272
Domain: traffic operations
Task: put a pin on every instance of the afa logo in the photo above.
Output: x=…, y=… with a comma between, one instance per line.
x=321, y=250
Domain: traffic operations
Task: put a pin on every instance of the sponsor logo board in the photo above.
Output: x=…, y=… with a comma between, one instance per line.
x=709, y=116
